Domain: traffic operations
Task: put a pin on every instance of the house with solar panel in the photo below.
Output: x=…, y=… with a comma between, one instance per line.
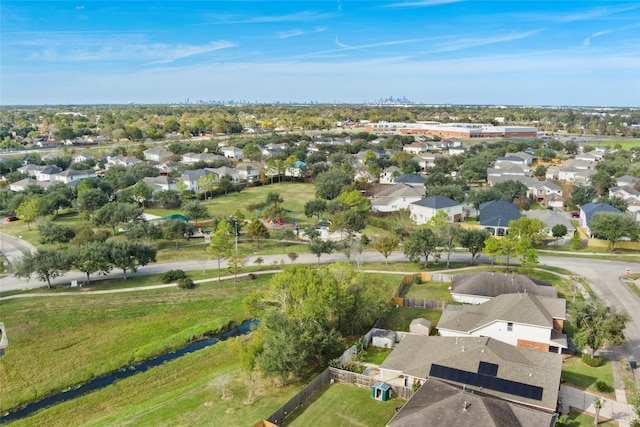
x=477, y=364
x=437, y=403
x=518, y=319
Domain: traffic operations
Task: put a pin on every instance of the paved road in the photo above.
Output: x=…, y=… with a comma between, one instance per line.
x=13, y=247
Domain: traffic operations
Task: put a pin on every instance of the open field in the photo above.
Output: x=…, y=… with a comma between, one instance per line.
x=63, y=341
x=343, y=405
x=88, y=335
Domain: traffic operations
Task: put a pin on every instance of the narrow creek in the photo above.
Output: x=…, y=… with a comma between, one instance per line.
x=110, y=378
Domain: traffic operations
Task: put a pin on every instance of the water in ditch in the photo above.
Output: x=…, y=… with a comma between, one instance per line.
x=108, y=379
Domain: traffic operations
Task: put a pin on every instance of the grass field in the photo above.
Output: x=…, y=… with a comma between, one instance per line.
x=400, y=318
x=577, y=373
x=62, y=341
x=579, y=419
x=375, y=355
x=343, y=405
x=428, y=290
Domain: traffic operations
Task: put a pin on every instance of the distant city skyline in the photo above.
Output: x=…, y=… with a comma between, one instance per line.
x=555, y=53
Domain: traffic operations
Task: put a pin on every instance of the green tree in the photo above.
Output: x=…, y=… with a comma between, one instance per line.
x=422, y=243
x=115, y=214
x=129, y=256
x=141, y=192
x=355, y=200
x=196, y=210
x=559, y=230
x=531, y=229
x=168, y=199
x=439, y=220
x=448, y=235
x=92, y=199
x=614, y=227
x=473, y=241
x=50, y=232
x=598, y=326
x=208, y=183
x=349, y=221
x=225, y=184
x=329, y=184
x=33, y=208
x=45, y=264
x=175, y=229
x=283, y=350
x=235, y=265
x=315, y=208
x=221, y=246
x=492, y=248
x=90, y=258
x=319, y=247
x=510, y=247
x=258, y=231
x=386, y=244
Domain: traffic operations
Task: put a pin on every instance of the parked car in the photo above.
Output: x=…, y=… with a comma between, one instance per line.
x=12, y=218
x=575, y=214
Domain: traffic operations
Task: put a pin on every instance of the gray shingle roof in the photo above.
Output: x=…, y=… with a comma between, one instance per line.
x=491, y=285
x=436, y=202
x=415, y=354
x=591, y=209
x=517, y=308
x=438, y=404
x=498, y=213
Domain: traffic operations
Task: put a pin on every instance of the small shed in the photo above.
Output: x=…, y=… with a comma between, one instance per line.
x=381, y=391
x=420, y=326
x=383, y=338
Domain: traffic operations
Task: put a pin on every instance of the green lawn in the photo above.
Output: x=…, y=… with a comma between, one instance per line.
x=62, y=341
x=580, y=419
x=400, y=318
x=343, y=405
x=577, y=373
x=375, y=355
x=428, y=290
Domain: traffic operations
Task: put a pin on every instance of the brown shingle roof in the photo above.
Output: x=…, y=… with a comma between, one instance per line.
x=493, y=284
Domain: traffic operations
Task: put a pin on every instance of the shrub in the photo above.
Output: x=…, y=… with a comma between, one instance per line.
x=186, y=283
x=417, y=279
x=602, y=387
x=251, y=276
x=594, y=362
x=173, y=275
x=416, y=386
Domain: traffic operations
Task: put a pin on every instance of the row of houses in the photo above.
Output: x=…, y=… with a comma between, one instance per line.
x=497, y=360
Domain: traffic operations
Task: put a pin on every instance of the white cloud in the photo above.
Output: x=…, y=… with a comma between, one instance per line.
x=421, y=3
x=293, y=17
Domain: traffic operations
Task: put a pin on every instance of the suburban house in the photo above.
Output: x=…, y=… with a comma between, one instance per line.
x=521, y=320
x=248, y=173
x=225, y=171
x=160, y=183
x=479, y=364
x=457, y=150
x=48, y=173
x=157, y=154
x=627, y=193
x=478, y=288
x=31, y=170
x=395, y=197
x=588, y=211
x=26, y=182
x=495, y=176
x=70, y=175
x=191, y=158
x=543, y=192
x=231, y=152
x=411, y=179
x=389, y=174
x=126, y=161
x=426, y=160
x=191, y=177
x=551, y=219
x=423, y=210
x=627, y=180
x=496, y=215
x=82, y=157
x=437, y=403
x=165, y=167
x=416, y=148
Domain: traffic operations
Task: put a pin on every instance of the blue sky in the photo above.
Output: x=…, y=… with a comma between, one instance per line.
x=429, y=51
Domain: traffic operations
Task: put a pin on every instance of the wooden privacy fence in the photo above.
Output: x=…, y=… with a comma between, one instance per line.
x=329, y=374
x=433, y=304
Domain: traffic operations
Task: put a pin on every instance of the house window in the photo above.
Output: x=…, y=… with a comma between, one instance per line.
x=510, y=327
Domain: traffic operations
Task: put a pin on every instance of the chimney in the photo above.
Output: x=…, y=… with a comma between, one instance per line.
x=465, y=406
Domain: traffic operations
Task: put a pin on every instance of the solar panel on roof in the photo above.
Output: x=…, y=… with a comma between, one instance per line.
x=487, y=382
x=486, y=368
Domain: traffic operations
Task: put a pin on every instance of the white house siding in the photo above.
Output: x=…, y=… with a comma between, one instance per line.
x=470, y=299
x=498, y=330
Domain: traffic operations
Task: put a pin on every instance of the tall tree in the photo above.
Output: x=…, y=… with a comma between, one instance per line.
x=115, y=214
x=90, y=258
x=196, y=210
x=315, y=208
x=386, y=244
x=33, y=208
x=473, y=241
x=175, y=229
x=448, y=235
x=329, y=184
x=91, y=199
x=422, y=243
x=492, y=248
x=597, y=325
x=129, y=256
x=50, y=232
x=220, y=246
x=258, y=231
x=614, y=227
x=45, y=264
x=319, y=247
